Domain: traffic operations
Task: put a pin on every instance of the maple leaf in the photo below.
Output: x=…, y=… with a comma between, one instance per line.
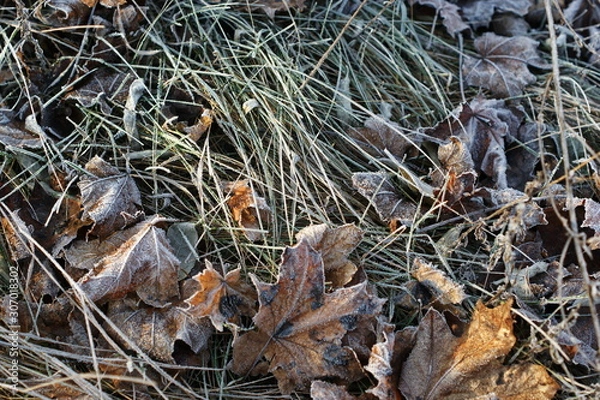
x=442, y=365
x=502, y=67
x=334, y=245
x=378, y=189
x=138, y=259
x=250, y=211
x=111, y=199
x=299, y=327
x=155, y=331
x=449, y=12
x=222, y=299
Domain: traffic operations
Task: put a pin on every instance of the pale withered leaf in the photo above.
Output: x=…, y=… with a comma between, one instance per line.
x=479, y=13
x=334, y=245
x=444, y=289
x=450, y=13
x=250, y=211
x=142, y=263
x=503, y=64
x=111, y=199
x=299, y=327
x=156, y=330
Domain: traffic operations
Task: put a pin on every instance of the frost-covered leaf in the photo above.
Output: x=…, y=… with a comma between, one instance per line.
x=111, y=199
x=250, y=211
x=139, y=260
x=299, y=327
x=441, y=286
x=223, y=299
x=334, y=245
x=155, y=331
x=183, y=238
x=442, y=365
x=503, y=65
x=450, y=13
x=379, y=135
x=479, y=13
x=378, y=189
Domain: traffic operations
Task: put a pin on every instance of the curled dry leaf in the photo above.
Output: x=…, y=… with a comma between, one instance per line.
x=442, y=365
x=449, y=12
x=250, y=211
x=156, y=330
x=111, y=199
x=320, y=390
x=222, y=299
x=479, y=13
x=299, y=327
x=591, y=218
x=334, y=245
x=441, y=286
x=502, y=67
x=378, y=189
x=138, y=259
x=379, y=135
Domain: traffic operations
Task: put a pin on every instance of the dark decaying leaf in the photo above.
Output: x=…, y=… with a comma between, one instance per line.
x=450, y=13
x=334, y=245
x=503, y=65
x=299, y=327
x=591, y=218
x=155, y=331
x=111, y=199
x=379, y=190
x=379, y=135
x=442, y=365
x=99, y=87
x=138, y=259
x=223, y=299
x=479, y=13
x=15, y=133
x=486, y=128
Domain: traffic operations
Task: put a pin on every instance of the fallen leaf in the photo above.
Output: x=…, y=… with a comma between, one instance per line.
x=183, y=239
x=502, y=67
x=591, y=218
x=299, y=327
x=479, y=13
x=100, y=88
x=14, y=133
x=111, y=199
x=583, y=16
x=250, y=211
x=378, y=189
x=270, y=7
x=442, y=365
x=441, y=286
x=139, y=260
x=63, y=12
x=155, y=331
x=484, y=128
x=450, y=13
x=223, y=299
x=204, y=122
x=320, y=390
x=334, y=245
x=379, y=135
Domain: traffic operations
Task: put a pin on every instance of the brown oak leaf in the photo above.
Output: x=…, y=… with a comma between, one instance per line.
x=502, y=67
x=156, y=330
x=111, y=199
x=378, y=189
x=442, y=365
x=299, y=327
x=222, y=299
x=250, y=211
x=138, y=259
x=334, y=244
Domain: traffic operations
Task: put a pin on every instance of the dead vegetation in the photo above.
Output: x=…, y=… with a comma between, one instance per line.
x=350, y=200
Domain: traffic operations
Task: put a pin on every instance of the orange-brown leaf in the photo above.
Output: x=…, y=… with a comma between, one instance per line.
x=334, y=244
x=299, y=327
x=250, y=211
x=222, y=299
